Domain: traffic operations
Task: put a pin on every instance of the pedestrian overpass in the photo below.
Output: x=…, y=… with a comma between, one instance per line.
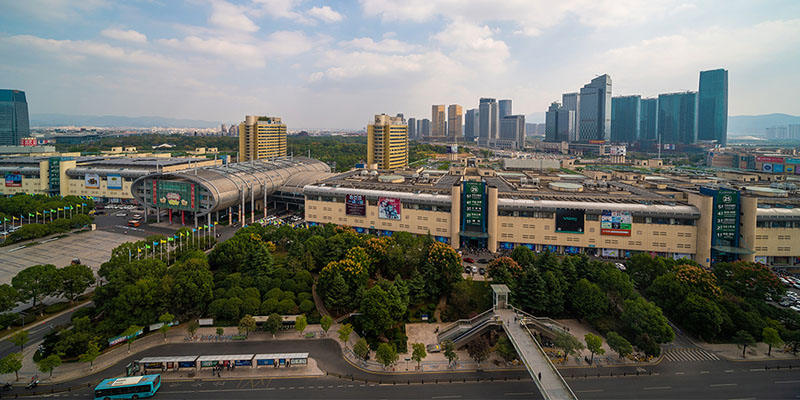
x=517, y=325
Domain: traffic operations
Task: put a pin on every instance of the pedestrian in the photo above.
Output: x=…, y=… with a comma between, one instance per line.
x=540, y=376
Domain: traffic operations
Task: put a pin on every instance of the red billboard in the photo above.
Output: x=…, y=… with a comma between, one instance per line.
x=355, y=204
x=770, y=159
x=29, y=141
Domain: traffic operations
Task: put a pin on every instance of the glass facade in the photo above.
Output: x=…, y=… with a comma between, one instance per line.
x=648, y=121
x=677, y=118
x=712, y=120
x=14, y=124
x=595, y=110
x=625, y=117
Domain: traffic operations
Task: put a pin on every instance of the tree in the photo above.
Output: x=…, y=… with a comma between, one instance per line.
x=192, y=327
x=449, y=350
x=165, y=319
x=619, y=344
x=344, y=333
x=771, y=338
x=376, y=309
x=386, y=354
x=418, y=353
x=220, y=331
x=505, y=349
x=361, y=349
x=588, y=299
x=743, y=340
x=325, y=323
x=20, y=338
x=505, y=269
x=75, y=279
x=568, y=343
x=8, y=297
x=132, y=333
x=479, y=349
x=91, y=354
x=11, y=363
x=643, y=316
x=49, y=363
x=247, y=324
x=36, y=282
x=300, y=324
x=595, y=345
x=274, y=322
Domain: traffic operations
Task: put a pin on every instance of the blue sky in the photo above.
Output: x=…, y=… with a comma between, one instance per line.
x=335, y=64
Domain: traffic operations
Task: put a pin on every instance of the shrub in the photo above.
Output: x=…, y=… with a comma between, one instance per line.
x=306, y=306
x=303, y=296
x=56, y=307
x=286, y=307
x=269, y=306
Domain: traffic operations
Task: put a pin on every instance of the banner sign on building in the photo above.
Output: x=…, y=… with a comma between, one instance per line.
x=355, y=204
x=175, y=195
x=569, y=220
x=792, y=161
x=389, y=208
x=615, y=223
x=777, y=168
x=91, y=181
x=29, y=141
x=789, y=169
x=726, y=216
x=770, y=159
x=618, y=150
x=473, y=203
x=13, y=180
x=610, y=253
x=114, y=181
x=766, y=167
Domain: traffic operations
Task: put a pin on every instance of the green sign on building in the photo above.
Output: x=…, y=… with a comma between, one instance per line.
x=473, y=202
x=175, y=195
x=726, y=217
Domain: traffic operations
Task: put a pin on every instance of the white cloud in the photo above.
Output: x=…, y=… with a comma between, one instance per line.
x=475, y=44
x=281, y=9
x=126, y=35
x=228, y=16
x=250, y=53
x=325, y=14
x=383, y=46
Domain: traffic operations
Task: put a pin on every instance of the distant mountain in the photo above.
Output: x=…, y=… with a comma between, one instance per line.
x=741, y=125
x=118, y=121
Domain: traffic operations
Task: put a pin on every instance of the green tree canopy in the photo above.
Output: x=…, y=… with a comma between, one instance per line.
x=361, y=348
x=594, y=344
x=418, y=352
x=386, y=354
x=643, y=316
x=75, y=279
x=771, y=338
x=11, y=363
x=588, y=299
x=37, y=282
x=619, y=344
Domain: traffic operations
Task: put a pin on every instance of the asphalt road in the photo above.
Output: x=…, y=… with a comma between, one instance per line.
x=37, y=333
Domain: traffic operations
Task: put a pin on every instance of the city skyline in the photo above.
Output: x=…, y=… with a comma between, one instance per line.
x=319, y=65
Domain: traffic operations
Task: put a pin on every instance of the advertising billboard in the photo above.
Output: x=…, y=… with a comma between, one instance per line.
x=777, y=168
x=569, y=220
x=13, y=180
x=355, y=204
x=789, y=169
x=726, y=217
x=29, y=141
x=91, y=181
x=770, y=159
x=114, y=181
x=610, y=253
x=176, y=195
x=615, y=223
x=389, y=208
x=793, y=161
x=452, y=148
x=473, y=203
x=618, y=150
x=766, y=167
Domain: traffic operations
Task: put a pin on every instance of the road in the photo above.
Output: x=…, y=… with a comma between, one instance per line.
x=37, y=333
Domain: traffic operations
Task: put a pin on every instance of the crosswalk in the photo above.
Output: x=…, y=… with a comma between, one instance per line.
x=689, y=354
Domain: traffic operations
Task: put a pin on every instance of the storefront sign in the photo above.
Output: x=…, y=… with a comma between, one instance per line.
x=355, y=204
x=176, y=195
x=770, y=159
x=473, y=203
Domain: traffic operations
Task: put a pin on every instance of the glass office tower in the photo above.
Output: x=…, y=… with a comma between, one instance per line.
x=677, y=118
x=14, y=124
x=712, y=106
x=625, y=117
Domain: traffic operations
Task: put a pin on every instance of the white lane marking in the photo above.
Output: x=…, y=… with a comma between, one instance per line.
x=588, y=391
x=658, y=388
x=728, y=370
x=722, y=384
x=518, y=394
x=680, y=373
x=456, y=396
x=781, y=382
x=705, y=372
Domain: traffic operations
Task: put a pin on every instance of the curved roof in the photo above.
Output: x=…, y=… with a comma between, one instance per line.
x=228, y=184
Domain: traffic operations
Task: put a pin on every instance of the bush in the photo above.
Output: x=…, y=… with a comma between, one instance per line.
x=56, y=307
x=306, y=306
x=269, y=306
x=28, y=319
x=289, y=285
x=303, y=296
x=7, y=319
x=274, y=293
x=286, y=307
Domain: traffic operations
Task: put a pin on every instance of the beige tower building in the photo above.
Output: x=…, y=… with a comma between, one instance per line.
x=387, y=142
x=261, y=137
x=438, y=121
x=454, y=121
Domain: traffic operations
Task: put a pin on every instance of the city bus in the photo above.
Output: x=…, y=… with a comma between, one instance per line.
x=132, y=387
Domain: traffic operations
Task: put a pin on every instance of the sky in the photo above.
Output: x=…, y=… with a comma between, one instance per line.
x=333, y=65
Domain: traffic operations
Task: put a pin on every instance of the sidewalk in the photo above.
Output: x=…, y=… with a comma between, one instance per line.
x=754, y=353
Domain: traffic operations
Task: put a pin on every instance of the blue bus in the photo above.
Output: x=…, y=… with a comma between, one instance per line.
x=132, y=387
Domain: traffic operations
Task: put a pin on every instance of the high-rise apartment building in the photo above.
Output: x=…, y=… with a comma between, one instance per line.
x=712, y=106
x=438, y=121
x=387, y=142
x=677, y=118
x=261, y=137
x=595, y=110
x=626, y=118
x=412, y=129
x=512, y=130
x=558, y=123
x=471, y=124
x=454, y=117
x=648, y=120
x=14, y=124
x=488, y=117
x=504, y=108
x=424, y=128
x=794, y=131
x=572, y=102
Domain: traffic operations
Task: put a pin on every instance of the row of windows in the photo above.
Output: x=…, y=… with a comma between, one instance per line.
x=778, y=224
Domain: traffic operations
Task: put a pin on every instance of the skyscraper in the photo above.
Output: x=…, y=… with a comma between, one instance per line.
x=558, y=123
x=387, y=142
x=712, y=106
x=625, y=118
x=471, y=124
x=488, y=116
x=412, y=128
x=454, y=117
x=261, y=137
x=677, y=118
x=572, y=102
x=424, y=128
x=14, y=124
x=648, y=120
x=438, y=121
x=595, y=110
x=504, y=108
x=512, y=129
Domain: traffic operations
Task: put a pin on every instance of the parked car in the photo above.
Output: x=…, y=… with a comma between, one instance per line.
x=482, y=271
x=467, y=270
x=620, y=266
x=137, y=216
x=121, y=214
x=469, y=260
x=483, y=261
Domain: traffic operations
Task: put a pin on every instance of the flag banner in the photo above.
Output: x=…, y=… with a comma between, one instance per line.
x=139, y=249
x=147, y=246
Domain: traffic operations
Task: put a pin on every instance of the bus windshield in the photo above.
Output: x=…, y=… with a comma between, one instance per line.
x=128, y=387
